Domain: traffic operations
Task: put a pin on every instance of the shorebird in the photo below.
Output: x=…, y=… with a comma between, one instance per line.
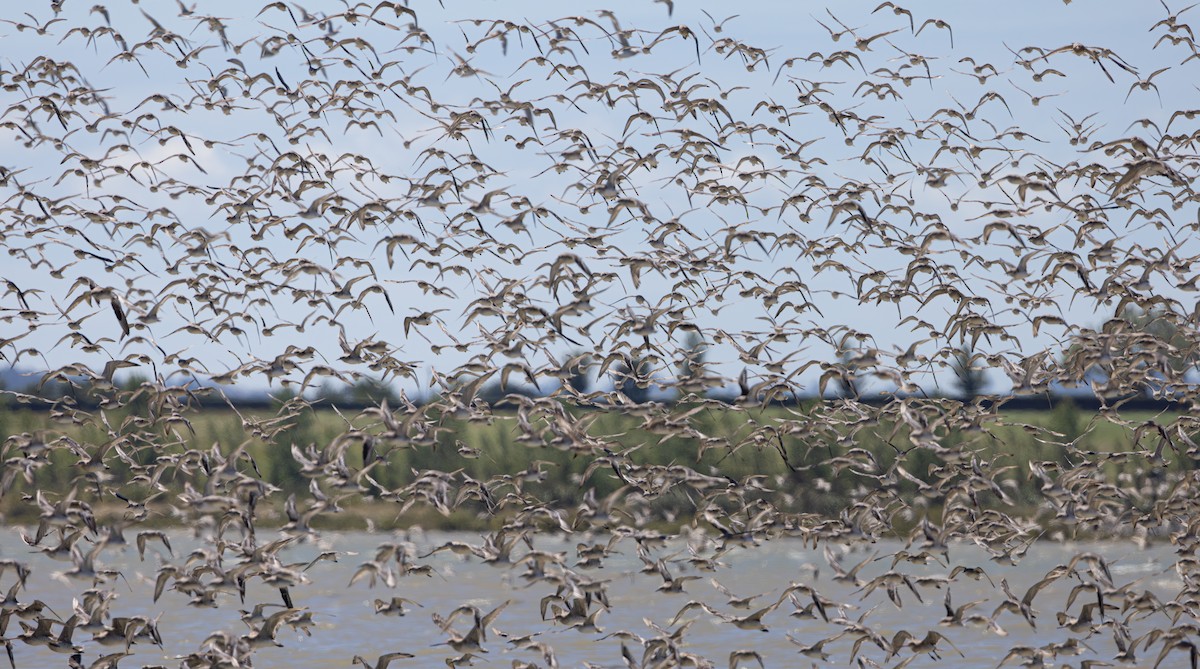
x=393, y=607
x=382, y=661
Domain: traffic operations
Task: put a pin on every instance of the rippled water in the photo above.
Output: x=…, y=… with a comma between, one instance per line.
x=346, y=624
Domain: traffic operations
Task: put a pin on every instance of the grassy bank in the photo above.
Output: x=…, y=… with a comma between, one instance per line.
x=820, y=474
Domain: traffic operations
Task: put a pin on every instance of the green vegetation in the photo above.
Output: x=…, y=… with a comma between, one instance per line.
x=825, y=468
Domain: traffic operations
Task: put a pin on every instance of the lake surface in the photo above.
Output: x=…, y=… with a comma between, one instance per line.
x=346, y=625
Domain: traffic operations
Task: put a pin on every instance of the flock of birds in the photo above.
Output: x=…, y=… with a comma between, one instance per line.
x=291, y=197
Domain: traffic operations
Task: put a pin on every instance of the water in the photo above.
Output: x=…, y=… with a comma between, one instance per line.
x=346, y=625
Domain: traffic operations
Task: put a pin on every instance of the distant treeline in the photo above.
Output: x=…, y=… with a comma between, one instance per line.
x=86, y=395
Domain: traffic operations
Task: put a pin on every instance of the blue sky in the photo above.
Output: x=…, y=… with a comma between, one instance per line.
x=986, y=32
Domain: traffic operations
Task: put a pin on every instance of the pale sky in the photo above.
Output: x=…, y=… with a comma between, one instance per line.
x=983, y=31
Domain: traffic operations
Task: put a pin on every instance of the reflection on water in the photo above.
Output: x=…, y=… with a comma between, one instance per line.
x=346, y=623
